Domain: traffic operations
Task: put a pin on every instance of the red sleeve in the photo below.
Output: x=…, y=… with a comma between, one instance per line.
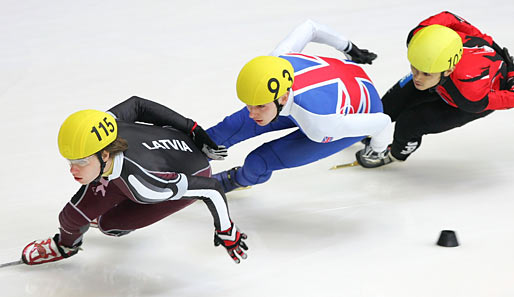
x=452, y=21
x=500, y=100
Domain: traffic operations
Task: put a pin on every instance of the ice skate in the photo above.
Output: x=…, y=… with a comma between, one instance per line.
x=228, y=179
x=368, y=158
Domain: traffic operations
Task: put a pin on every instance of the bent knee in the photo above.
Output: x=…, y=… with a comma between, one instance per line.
x=110, y=230
x=115, y=232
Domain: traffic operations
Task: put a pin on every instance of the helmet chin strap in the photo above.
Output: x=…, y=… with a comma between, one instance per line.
x=442, y=80
x=102, y=166
x=279, y=109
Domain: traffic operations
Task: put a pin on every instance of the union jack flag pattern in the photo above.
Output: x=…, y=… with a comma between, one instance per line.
x=327, y=139
x=325, y=92
x=339, y=86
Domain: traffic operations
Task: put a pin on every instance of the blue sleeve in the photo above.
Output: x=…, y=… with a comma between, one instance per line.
x=233, y=129
x=239, y=126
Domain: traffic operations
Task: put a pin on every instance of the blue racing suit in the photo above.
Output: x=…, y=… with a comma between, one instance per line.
x=332, y=102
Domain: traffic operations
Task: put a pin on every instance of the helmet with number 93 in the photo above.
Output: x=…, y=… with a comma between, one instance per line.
x=435, y=48
x=85, y=133
x=264, y=79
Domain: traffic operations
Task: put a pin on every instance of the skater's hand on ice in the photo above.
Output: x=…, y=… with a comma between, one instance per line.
x=233, y=240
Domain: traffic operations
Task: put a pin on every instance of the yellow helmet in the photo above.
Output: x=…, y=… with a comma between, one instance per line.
x=435, y=48
x=86, y=132
x=264, y=79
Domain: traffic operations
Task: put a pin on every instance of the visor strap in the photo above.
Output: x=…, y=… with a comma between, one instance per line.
x=102, y=166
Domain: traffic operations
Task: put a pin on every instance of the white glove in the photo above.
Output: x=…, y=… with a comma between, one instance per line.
x=215, y=154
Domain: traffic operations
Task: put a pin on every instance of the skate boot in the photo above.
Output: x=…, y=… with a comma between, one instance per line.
x=227, y=179
x=368, y=158
x=366, y=141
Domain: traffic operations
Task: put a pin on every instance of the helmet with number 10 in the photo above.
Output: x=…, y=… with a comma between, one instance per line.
x=435, y=48
x=264, y=79
x=85, y=133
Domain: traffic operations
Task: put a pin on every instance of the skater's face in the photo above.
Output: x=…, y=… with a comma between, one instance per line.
x=424, y=81
x=265, y=113
x=86, y=170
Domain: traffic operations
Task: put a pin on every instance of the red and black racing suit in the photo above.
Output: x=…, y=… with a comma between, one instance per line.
x=476, y=87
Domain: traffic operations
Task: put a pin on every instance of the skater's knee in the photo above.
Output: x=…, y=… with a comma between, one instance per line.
x=257, y=162
x=110, y=230
x=115, y=232
x=256, y=169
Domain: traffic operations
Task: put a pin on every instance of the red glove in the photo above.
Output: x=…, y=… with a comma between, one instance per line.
x=232, y=240
x=47, y=250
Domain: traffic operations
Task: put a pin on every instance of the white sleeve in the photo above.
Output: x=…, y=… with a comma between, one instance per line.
x=317, y=127
x=311, y=31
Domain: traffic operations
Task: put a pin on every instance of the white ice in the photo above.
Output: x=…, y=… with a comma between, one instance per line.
x=312, y=232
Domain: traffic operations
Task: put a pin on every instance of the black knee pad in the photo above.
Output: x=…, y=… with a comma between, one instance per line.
x=115, y=232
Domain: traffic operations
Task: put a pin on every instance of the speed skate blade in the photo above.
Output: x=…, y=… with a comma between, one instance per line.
x=354, y=163
x=11, y=263
x=243, y=188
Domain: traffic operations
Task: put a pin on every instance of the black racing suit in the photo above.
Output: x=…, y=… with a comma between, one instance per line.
x=161, y=172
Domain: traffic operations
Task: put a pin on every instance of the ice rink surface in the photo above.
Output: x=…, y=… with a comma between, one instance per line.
x=312, y=231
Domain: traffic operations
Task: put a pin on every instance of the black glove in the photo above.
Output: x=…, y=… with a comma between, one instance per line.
x=206, y=145
x=509, y=60
x=509, y=86
x=232, y=240
x=361, y=56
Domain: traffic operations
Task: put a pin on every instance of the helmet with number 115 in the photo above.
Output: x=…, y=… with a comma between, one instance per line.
x=264, y=79
x=85, y=133
x=435, y=48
